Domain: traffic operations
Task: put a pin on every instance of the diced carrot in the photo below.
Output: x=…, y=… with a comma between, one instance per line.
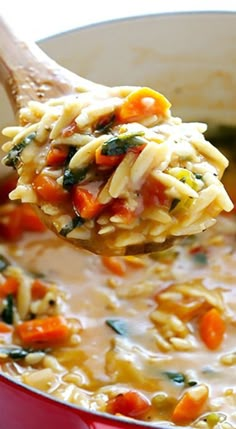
x=38, y=289
x=30, y=219
x=191, y=405
x=70, y=130
x=153, y=193
x=5, y=329
x=107, y=160
x=11, y=225
x=114, y=264
x=9, y=287
x=212, y=329
x=197, y=249
x=85, y=203
x=49, y=190
x=141, y=103
x=57, y=156
x=130, y=404
x=6, y=186
x=119, y=208
x=52, y=329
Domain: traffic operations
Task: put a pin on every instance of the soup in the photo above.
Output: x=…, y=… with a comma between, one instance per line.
x=149, y=338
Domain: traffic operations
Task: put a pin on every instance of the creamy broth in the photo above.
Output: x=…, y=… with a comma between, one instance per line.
x=105, y=363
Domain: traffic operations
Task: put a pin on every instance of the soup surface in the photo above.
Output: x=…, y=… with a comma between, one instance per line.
x=149, y=338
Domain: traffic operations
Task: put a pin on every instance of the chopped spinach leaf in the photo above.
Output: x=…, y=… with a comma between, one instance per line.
x=17, y=353
x=174, y=203
x=104, y=125
x=13, y=157
x=3, y=263
x=192, y=383
x=198, y=176
x=7, y=314
x=71, y=177
x=176, y=377
x=118, y=325
x=13, y=352
x=72, y=152
x=77, y=221
x=119, y=145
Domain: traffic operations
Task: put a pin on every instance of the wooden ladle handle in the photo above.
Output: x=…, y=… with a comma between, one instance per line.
x=27, y=73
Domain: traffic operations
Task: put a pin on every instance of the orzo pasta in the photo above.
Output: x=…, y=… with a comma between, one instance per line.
x=114, y=171
x=149, y=338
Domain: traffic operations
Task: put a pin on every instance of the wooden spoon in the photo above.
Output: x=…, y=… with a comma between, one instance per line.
x=27, y=73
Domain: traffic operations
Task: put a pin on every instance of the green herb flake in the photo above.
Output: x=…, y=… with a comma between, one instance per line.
x=119, y=145
x=77, y=221
x=4, y=263
x=7, y=313
x=200, y=258
x=118, y=325
x=72, y=177
x=176, y=377
x=13, y=157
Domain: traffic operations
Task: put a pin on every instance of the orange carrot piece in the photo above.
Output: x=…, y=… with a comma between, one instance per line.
x=191, y=405
x=154, y=193
x=86, y=204
x=9, y=287
x=107, y=160
x=30, y=220
x=5, y=329
x=142, y=103
x=57, y=156
x=114, y=264
x=119, y=208
x=52, y=329
x=130, y=404
x=38, y=289
x=49, y=190
x=212, y=329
